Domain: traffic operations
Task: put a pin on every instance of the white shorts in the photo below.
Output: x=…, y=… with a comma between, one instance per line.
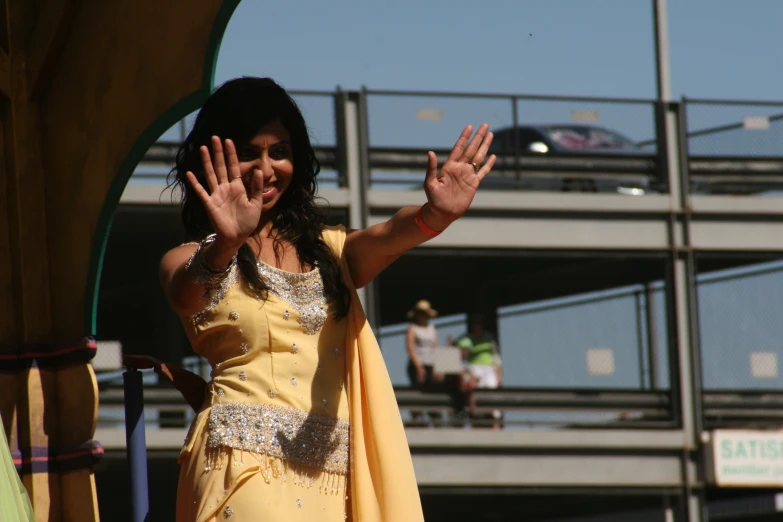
x=485, y=376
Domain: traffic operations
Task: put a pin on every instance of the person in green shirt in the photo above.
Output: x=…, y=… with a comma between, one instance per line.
x=480, y=349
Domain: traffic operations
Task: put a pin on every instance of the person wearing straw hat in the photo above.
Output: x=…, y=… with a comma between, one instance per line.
x=422, y=339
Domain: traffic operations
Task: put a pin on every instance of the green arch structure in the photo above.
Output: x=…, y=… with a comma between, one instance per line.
x=143, y=143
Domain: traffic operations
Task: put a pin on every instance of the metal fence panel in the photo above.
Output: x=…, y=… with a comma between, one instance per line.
x=591, y=341
x=717, y=128
x=740, y=327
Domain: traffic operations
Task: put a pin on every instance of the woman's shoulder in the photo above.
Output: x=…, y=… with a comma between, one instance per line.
x=184, y=248
x=334, y=230
x=175, y=257
x=334, y=237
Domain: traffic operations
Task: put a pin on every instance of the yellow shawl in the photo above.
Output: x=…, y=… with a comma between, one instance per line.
x=382, y=483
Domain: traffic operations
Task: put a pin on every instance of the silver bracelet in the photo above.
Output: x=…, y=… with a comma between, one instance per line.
x=201, y=271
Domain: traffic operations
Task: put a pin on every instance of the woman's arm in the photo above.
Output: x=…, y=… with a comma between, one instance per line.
x=192, y=387
x=185, y=292
x=449, y=194
x=372, y=249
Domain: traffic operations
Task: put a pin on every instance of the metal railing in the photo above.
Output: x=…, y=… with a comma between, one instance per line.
x=743, y=409
x=733, y=145
x=521, y=407
x=164, y=408
x=397, y=138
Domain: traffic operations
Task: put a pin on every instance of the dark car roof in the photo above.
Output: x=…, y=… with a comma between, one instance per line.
x=569, y=137
x=548, y=126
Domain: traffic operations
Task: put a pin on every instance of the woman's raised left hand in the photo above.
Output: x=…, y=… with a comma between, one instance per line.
x=450, y=191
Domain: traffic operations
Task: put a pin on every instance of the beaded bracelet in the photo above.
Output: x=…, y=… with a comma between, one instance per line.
x=423, y=226
x=201, y=271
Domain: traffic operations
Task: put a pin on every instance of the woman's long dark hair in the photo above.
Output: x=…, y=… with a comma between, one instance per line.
x=238, y=110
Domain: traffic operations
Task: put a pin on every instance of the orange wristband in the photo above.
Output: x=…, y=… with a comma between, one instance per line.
x=423, y=226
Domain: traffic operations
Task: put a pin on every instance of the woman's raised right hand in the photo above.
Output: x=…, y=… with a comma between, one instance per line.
x=233, y=210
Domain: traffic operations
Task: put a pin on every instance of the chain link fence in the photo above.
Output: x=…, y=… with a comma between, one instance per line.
x=735, y=147
x=741, y=328
x=737, y=129
x=598, y=340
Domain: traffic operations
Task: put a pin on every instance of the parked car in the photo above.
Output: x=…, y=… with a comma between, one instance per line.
x=563, y=139
x=622, y=168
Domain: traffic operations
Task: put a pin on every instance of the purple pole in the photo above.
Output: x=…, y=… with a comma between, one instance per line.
x=136, y=444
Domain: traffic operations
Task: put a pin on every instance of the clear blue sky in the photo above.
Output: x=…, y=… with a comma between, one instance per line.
x=578, y=47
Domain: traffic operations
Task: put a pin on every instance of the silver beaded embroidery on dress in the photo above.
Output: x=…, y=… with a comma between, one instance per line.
x=287, y=433
x=303, y=292
x=215, y=293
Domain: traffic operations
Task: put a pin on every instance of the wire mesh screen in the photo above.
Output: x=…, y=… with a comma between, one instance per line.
x=318, y=112
x=431, y=120
x=734, y=129
x=598, y=340
x=740, y=327
x=424, y=121
x=735, y=147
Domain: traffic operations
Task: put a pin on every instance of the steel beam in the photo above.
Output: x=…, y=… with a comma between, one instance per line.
x=551, y=233
x=542, y=470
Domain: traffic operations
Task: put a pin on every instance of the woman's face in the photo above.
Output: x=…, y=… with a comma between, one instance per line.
x=271, y=152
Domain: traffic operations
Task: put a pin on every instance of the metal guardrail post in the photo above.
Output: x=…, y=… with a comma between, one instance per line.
x=683, y=273
x=362, y=129
x=136, y=444
x=652, y=337
x=515, y=138
x=640, y=340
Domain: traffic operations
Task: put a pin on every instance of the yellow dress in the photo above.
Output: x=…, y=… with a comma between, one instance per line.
x=272, y=442
x=277, y=438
